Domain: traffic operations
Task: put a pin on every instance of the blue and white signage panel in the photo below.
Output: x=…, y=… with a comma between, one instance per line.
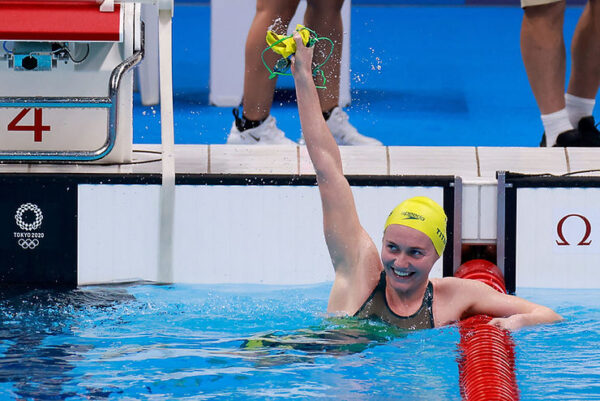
x=259, y=234
x=558, y=237
x=69, y=230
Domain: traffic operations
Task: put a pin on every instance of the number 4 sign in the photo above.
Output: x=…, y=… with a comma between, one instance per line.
x=37, y=128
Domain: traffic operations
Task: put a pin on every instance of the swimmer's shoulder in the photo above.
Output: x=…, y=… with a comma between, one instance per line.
x=451, y=298
x=448, y=288
x=452, y=283
x=453, y=289
x=446, y=283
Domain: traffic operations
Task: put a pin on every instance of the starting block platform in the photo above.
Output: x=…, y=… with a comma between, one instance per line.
x=244, y=214
x=65, y=93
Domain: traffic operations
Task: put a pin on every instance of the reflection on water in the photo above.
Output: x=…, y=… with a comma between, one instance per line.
x=335, y=336
x=30, y=322
x=146, y=342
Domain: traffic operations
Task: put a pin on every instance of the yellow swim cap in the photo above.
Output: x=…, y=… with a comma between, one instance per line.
x=287, y=47
x=423, y=214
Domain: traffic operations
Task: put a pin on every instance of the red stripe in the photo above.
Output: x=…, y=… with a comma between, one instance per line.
x=58, y=21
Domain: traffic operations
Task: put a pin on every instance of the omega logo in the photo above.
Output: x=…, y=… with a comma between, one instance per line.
x=584, y=240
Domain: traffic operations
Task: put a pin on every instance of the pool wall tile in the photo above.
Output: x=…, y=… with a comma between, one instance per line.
x=14, y=168
x=143, y=156
x=420, y=160
x=191, y=159
x=252, y=159
x=356, y=160
x=305, y=166
x=522, y=160
x=148, y=168
x=77, y=169
x=584, y=159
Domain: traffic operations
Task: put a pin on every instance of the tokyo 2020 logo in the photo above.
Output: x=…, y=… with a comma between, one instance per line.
x=29, y=240
x=38, y=217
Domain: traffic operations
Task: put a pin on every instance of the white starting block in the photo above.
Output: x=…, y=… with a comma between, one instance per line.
x=227, y=62
x=64, y=93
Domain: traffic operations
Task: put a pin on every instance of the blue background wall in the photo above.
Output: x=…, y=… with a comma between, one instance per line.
x=420, y=75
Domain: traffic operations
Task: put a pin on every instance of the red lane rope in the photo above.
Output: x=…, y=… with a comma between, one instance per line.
x=487, y=363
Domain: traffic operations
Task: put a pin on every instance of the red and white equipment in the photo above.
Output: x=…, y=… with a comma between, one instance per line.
x=65, y=94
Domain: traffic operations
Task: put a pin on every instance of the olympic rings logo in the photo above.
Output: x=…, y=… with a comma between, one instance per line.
x=28, y=243
x=29, y=226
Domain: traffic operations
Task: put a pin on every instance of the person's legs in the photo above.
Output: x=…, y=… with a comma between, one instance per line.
x=585, y=64
x=544, y=55
x=258, y=88
x=325, y=18
x=256, y=125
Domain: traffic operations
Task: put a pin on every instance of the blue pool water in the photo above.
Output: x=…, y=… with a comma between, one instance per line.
x=146, y=342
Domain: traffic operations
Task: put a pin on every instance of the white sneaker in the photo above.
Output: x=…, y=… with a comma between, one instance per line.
x=344, y=133
x=265, y=134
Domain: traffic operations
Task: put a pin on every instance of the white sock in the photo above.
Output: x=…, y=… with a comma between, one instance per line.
x=555, y=124
x=578, y=107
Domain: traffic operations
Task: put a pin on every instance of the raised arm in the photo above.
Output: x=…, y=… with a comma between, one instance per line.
x=354, y=255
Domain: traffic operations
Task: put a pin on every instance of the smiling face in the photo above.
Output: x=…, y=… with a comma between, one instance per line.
x=408, y=256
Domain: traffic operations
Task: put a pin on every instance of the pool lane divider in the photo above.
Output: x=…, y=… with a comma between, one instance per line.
x=487, y=362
